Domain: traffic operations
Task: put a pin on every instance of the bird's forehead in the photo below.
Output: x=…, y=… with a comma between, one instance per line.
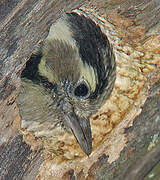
x=62, y=62
x=61, y=59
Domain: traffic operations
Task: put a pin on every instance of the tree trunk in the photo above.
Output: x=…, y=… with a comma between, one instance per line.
x=131, y=145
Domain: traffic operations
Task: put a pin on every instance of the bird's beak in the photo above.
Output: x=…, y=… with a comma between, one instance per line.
x=81, y=130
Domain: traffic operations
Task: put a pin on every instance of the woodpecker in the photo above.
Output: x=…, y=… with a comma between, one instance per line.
x=67, y=79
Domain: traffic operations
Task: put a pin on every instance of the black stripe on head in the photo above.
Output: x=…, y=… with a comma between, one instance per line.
x=94, y=48
x=31, y=72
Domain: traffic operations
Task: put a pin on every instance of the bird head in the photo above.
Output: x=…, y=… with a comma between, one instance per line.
x=67, y=80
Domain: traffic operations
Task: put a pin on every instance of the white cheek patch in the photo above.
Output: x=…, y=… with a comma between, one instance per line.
x=45, y=71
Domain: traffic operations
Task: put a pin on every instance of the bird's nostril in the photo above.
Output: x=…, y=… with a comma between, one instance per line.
x=60, y=104
x=64, y=105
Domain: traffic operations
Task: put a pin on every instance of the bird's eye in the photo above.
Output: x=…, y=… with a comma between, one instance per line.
x=82, y=90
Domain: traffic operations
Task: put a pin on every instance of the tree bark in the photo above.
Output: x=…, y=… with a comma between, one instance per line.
x=135, y=35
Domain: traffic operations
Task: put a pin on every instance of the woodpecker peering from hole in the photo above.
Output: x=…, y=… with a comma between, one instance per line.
x=67, y=79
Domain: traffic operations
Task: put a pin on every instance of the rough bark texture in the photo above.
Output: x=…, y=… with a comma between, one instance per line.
x=23, y=24
x=142, y=151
